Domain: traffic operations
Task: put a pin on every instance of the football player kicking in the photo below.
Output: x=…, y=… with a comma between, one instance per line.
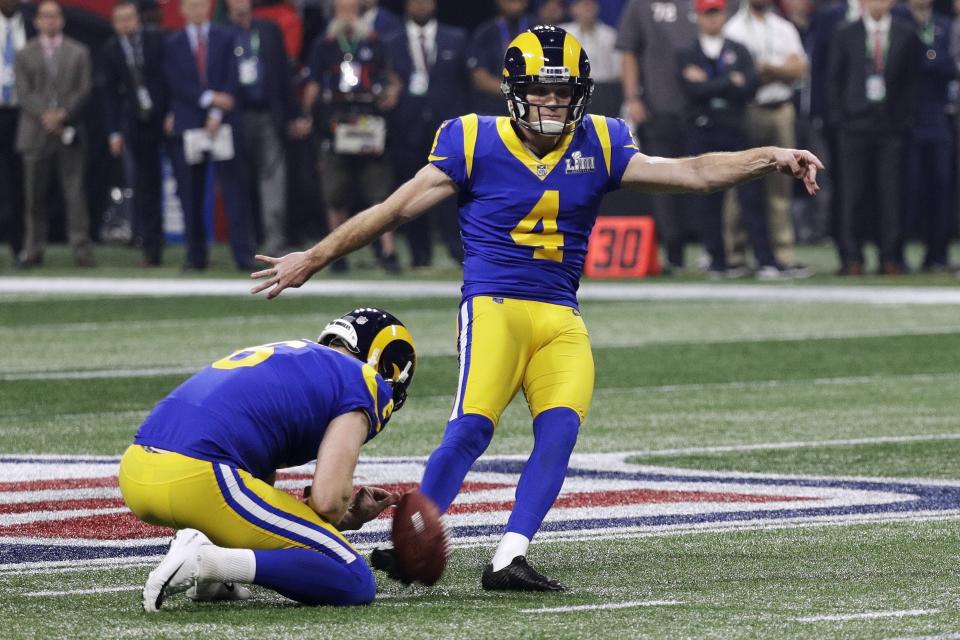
x=205, y=459
x=528, y=186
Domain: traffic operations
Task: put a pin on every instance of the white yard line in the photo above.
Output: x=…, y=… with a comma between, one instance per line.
x=97, y=374
x=868, y=615
x=82, y=592
x=785, y=292
x=610, y=605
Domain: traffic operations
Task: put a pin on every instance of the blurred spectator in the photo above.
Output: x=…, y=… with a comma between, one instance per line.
x=151, y=15
x=871, y=100
x=348, y=74
x=930, y=154
x=780, y=62
x=552, y=12
x=488, y=45
x=430, y=60
x=955, y=55
x=134, y=106
x=718, y=78
x=16, y=28
x=599, y=41
x=201, y=74
x=383, y=22
x=650, y=35
x=53, y=85
x=268, y=112
x=827, y=18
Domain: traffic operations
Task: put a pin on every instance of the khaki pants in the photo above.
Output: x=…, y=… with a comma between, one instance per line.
x=767, y=127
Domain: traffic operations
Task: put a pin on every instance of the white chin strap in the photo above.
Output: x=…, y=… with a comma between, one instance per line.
x=548, y=127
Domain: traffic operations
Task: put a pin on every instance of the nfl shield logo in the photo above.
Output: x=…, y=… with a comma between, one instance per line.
x=64, y=510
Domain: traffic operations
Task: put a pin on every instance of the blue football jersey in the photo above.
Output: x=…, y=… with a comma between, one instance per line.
x=525, y=221
x=266, y=407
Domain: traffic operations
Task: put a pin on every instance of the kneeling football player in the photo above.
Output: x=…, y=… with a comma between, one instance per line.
x=205, y=459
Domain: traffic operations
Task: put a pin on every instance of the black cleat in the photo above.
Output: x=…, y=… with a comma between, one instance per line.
x=386, y=560
x=518, y=576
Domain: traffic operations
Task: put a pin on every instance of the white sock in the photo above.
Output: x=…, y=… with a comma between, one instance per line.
x=511, y=545
x=218, y=564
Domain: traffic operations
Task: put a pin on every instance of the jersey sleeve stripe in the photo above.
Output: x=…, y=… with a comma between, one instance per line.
x=470, y=124
x=603, y=134
x=253, y=509
x=432, y=157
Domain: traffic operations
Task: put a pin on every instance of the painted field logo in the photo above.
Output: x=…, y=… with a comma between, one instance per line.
x=67, y=509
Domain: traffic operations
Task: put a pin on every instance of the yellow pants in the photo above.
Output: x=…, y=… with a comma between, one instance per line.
x=230, y=506
x=506, y=343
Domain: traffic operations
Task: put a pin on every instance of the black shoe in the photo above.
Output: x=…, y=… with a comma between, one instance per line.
x=517, y=576
x=386, y=560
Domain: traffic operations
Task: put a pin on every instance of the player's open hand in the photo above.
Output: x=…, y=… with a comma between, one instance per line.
x=800, y=164
x=369, y=502
x=292, y=270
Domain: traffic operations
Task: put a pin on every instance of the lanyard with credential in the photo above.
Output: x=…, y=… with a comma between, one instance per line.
x=255, y=44
x=347, y=48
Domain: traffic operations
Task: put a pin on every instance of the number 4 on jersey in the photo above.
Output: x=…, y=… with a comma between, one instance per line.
x=548, y=241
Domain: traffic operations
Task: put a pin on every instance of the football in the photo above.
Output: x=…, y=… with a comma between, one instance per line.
x=419, y=538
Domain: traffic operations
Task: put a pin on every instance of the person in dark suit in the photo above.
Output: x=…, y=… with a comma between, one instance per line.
x=134, y=106
x=383, y=22
x=930, y=153
x=202, y=79
x=53, y=85
x=489, y=43
x=268, y=111
x=718, y=78
x=16, y=29
x=871, y=100
x=430, y=60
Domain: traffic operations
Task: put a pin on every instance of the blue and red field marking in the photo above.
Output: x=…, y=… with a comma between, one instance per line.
x=67, y=510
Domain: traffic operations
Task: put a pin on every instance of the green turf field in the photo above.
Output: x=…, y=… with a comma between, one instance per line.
x=816, y=389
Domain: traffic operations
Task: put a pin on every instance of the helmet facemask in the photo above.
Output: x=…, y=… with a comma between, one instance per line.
x=527, y=115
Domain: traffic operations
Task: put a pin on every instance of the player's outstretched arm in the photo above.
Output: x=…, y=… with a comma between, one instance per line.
x=409, y=201
x=715, y=171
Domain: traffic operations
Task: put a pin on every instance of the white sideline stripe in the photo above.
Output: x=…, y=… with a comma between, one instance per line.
x=82, y=592
x=868, y=615
x=933, y=437
x=785, y=292
x=261, y=514
x=97, y=374
x=611, y=605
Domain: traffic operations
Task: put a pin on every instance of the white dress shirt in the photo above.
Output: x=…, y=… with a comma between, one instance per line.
x=599, y=43
x=770, y=40
x=429, y=34
x=872, y=26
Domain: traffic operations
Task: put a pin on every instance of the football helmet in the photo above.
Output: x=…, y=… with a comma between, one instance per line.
x=546, y=55
x=379, y=339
